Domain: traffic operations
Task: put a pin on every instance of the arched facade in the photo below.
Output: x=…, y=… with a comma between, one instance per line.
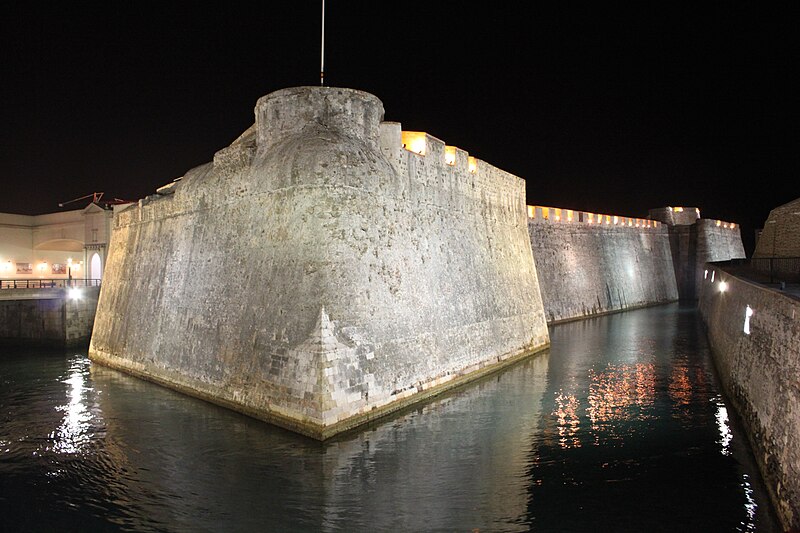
x=55, y=246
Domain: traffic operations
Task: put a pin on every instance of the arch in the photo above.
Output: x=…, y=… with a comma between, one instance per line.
x=95, y=267
x=61, y=245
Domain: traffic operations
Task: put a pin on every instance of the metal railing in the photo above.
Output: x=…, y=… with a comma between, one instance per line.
x=53, y=283
x=774, y=269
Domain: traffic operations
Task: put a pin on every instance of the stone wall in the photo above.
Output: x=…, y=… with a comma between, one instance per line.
x=693, y=246
x=47, y=317
x=587, y=268
x=760, y=372
x=781, y=234
x=317, y=274
x=675, y=216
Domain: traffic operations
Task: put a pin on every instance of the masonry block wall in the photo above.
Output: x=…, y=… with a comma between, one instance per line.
x=47, y=317
x=318, y=274
x=589, y=268
x=780, y=236
x=755, y=339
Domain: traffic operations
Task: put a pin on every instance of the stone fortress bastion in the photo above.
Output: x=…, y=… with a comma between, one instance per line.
x=328, y=268
x=325, y=269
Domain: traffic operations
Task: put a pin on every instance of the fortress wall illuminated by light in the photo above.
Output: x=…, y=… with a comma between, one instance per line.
x=318, y=274
x=328, y=268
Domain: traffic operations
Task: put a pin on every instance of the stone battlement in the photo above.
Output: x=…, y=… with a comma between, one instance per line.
x=558, y=215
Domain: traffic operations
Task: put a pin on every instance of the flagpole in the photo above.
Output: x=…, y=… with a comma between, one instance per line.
x=322, y=53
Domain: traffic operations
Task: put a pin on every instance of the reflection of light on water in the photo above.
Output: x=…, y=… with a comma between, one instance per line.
x=680, y=386
x=750, y=506
x=724, y=429
x=72, y=434
x=613, y=391
x=566, y=411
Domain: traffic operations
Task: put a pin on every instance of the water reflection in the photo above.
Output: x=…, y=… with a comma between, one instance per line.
x=634, y=441
x=471, y=445
x=620, y=427
x=74, y=431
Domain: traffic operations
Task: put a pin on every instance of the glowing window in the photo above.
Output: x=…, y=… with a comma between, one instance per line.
x=546, y=213
x=569, y=215
x=557, y=213
x=531, y=211
x=473, y=164
x=677, y=209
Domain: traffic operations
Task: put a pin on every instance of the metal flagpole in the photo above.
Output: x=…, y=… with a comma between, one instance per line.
x=322, y=53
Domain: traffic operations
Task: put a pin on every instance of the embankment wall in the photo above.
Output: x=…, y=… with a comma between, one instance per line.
x=760, y=372
x=318, y=274
x=47, y=317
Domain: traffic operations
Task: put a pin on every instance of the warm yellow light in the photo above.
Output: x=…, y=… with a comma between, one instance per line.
x=608, y=219
x=719, y=222
x=473, y=164
x=616, y=219
x=545, y=213
x=677, y=209
x=558, y=213
x=43, y=265
x=450, y=155
x=591, y=218
x=569, y=215
x=415, y=141
x=733, y=225
x=531, y=211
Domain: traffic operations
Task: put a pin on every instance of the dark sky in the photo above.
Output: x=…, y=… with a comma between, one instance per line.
x=610, y=109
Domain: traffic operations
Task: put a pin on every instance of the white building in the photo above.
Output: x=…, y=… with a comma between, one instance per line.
x=56, y=245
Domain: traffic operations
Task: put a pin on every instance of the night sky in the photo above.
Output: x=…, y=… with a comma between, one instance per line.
x=614, y=109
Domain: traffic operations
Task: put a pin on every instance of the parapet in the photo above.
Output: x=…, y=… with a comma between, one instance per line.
x=558, y=215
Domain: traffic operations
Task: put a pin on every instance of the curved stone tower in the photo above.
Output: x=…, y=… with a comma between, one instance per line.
x=318, y=274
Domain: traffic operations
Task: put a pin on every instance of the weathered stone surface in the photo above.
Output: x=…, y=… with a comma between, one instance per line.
x=47, y=317
x=692, y=246
x=317, y=274
x=760, y=372
x=589, y=269
x=781, y=234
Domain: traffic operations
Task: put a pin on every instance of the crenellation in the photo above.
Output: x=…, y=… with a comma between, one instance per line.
x=556, y=215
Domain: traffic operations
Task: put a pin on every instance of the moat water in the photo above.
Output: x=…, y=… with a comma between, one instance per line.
x=621, y=426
